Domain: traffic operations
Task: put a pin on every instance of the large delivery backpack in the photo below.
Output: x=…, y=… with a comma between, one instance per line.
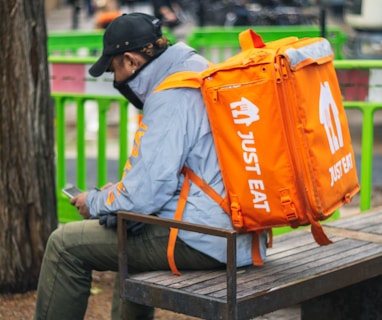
x=281, y=135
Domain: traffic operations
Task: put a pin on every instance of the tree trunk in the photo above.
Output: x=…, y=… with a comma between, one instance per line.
x=27, y=164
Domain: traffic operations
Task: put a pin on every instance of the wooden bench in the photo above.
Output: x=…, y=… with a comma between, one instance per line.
x=339, y=281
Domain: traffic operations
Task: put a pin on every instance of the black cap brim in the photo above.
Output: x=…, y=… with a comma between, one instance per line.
x=100, y=66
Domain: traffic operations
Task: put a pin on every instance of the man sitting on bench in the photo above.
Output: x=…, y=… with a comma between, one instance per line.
x=174, y=132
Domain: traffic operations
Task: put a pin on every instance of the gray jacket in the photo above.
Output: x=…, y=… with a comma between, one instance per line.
x=175, y=131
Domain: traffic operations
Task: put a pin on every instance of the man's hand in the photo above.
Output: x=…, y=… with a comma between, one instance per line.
x=80, y=203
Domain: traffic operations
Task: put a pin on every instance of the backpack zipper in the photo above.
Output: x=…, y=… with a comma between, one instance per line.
x=296, y=143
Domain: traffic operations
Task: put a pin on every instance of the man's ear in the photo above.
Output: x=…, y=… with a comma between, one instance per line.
x=134, y=59
x=129, y=57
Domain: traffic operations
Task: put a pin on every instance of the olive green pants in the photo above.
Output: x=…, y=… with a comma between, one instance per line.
x=77, y=248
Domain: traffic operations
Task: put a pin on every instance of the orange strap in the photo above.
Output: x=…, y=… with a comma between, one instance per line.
x=189, y=175
x=184, y=79
x=319, y=234
x=222, y=202
x=256, y=256
x=178, y=216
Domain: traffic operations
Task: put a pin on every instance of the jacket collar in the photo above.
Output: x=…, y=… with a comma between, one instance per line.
x=170, y=61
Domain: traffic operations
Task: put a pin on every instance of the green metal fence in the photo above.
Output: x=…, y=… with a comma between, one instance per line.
x=74, y=90
x=361, y=83
x=82, y=43
x=103, y=105
x=217, y=44
x=361, y=86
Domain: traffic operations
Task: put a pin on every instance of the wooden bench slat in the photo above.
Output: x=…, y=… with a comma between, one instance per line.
x=149, y=275
x=360, y=235
x=165, y=278
x=274, y=268
x=202, y=280
x=314, y=268
x=376, y=229
x=284, y=262
x=273, y=275
x=359, y=222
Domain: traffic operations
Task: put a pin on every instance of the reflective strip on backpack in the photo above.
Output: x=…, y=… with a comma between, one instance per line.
x=316, y=51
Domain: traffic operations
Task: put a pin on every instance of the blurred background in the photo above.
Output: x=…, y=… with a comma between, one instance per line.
x=359, y=18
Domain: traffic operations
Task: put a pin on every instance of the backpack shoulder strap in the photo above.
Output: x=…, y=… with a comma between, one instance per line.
x=222, y=202
x=183, y=79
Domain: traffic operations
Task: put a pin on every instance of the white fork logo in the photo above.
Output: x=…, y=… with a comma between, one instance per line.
x=328, y=106
x=244, y=112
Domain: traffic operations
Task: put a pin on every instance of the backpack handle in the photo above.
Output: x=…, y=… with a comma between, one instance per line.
x=250, y=39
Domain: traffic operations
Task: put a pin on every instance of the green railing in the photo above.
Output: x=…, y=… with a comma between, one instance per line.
x=361, y=86
x=83, y=44
x=74, y=90
x=217, y=44
x=73, y=87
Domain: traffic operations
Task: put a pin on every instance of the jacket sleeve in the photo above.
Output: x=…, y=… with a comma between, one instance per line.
x=161, y=146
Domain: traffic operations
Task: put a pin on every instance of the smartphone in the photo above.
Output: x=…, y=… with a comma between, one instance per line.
x=71, y=191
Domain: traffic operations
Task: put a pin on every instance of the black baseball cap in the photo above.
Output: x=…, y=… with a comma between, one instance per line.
x=128, y=32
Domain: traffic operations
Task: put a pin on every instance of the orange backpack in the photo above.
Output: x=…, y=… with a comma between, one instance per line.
x=281, y=136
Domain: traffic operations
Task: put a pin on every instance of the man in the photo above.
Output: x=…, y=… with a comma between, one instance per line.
x=174, y=132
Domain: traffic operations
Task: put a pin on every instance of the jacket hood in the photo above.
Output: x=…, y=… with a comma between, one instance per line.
x=179, y=57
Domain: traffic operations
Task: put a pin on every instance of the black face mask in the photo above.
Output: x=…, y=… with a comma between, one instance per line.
x=124, y=88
